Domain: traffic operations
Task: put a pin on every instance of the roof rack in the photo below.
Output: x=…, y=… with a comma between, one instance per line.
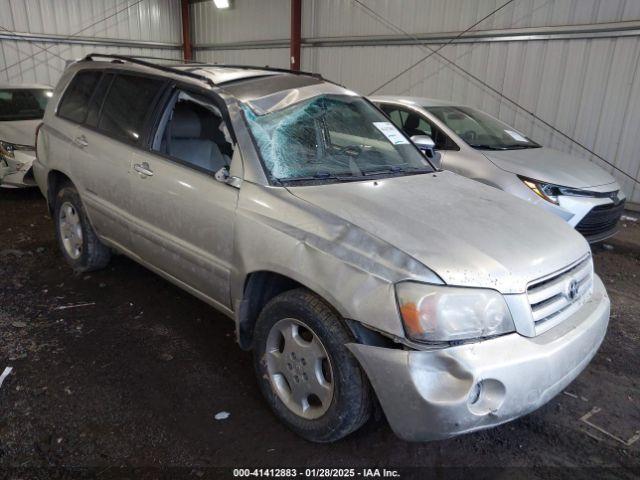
x=196, y=65
x=164, y=68
x=265, y=68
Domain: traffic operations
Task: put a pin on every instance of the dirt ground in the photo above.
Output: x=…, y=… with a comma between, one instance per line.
x=134, y=378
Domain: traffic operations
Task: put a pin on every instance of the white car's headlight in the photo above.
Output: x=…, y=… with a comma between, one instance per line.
x=546, y=191
x=7, y=149
x=440, y=314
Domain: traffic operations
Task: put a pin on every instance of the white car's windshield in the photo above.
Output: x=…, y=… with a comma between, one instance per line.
x=23, y=103
x=480, y=130
x=332, y=138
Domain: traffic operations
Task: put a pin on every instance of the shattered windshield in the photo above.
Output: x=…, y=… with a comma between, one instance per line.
x=480, y=130
x=332, y=137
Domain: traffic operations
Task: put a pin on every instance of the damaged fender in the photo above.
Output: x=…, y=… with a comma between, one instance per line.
x=350, y=268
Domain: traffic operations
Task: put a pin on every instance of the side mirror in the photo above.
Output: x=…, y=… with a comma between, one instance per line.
x=223, y=176
x=423, y=142
x=428, y=147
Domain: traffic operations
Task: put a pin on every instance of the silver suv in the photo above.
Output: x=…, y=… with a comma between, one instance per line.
x=352, y=268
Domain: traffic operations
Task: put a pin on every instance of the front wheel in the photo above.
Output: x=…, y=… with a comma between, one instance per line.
x=309, y=378
x=78, y=242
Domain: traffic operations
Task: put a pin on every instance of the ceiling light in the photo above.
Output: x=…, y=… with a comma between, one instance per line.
x=222, y=3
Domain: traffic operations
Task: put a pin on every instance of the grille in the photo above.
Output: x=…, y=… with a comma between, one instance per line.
x=555, y=298
x=600, y=219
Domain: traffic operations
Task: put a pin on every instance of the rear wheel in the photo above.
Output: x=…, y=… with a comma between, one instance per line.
x=78, y=242
x=309, y=378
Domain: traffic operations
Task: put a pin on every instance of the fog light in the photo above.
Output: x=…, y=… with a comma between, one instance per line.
x=486, y=397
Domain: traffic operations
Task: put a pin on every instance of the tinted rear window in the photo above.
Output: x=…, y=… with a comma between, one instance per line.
x=75, y=102
x=23, y=104
x=98, y=99
x=129, y=101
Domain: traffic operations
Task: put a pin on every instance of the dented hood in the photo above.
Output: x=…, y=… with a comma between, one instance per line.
x=467, y=233
x=551, y=166
x=20, y=132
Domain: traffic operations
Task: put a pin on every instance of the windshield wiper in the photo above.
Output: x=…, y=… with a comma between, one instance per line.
x=389, y=169
x=522, y=147
x=503, y=147
x=394, y=169
x=486, y=147
x=318, y=176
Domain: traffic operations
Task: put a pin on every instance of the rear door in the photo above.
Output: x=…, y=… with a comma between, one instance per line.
x=106, y=135
x=184, y=217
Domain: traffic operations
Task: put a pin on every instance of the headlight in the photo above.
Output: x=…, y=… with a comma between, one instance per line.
x=440, y=313
x=7, y=149
x=551, y=192
x=547, y=191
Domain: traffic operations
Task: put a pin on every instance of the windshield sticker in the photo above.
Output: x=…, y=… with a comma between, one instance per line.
x=518, y=137
x=391, y=132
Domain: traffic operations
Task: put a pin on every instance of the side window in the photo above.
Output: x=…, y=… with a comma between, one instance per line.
x=95, y=105
x=425, y=126
x=394, y=114
x=192, y=130
x=441, y=139
x=75, y=101
x=413, y=124
x=127, y=105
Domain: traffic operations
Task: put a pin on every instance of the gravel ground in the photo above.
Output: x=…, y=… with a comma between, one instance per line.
x=119, y=373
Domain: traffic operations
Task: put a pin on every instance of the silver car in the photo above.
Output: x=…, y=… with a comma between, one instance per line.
x=352, y=267
x=21, y=110
x=475, y=144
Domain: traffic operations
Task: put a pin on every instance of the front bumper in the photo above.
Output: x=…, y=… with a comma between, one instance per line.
x=436, y=394
x=596, y=218
x=16, y=172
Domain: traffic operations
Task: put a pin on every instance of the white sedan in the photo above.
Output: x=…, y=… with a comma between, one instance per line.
x=21, y=111
x=478, y=146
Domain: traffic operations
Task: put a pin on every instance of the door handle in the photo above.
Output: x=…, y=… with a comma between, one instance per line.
x=143, y=169
x=81, y=141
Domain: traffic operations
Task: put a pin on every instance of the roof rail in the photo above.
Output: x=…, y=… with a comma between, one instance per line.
x=164, y=68
x=254, y=67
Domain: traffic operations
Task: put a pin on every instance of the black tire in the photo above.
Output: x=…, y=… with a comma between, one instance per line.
x=94, y=254
x=352, y=401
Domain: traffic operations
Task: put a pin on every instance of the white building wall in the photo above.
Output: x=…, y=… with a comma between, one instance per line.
x=149, y=28
x=587, y=87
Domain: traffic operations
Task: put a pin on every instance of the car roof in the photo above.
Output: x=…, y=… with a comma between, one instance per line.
x=265, y=89
x=417, y=101
x=25, y=86
x=221, y=74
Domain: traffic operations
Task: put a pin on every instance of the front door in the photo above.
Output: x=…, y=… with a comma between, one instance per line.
x=184, y=217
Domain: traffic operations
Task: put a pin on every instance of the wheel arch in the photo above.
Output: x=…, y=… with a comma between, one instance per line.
x=263, y=285
x=55, y=180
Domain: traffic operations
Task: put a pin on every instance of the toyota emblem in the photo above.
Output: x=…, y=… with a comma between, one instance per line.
x=574, y=289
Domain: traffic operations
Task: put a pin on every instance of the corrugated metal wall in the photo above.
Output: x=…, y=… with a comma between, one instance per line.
x=342, y=17
x=588, y=88
x=149, y=27
x=247, y=21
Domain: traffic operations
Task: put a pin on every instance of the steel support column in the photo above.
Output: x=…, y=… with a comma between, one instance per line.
x=186, y=31
x=296, y=34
